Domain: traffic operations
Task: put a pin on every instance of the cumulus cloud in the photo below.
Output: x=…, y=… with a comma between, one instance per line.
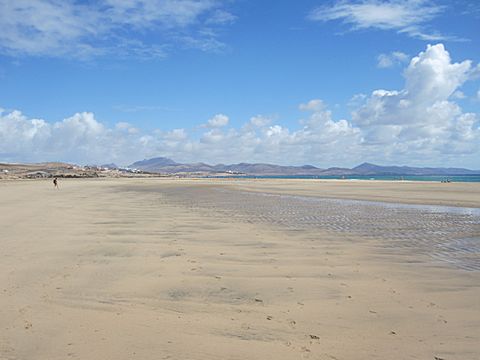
x=176, y=135
x=125, y=126
x=418, y=124
x=83, y=139
x=80, y=138
x=260, y=120
x=392, y=59
x=217, y=121
x=404, y=16
x=86, y=29
x=313, y=105
x=421, y=120
x=356, y=100
x=431, y=76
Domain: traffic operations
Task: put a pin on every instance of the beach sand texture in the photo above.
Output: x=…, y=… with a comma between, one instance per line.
x=238, y=269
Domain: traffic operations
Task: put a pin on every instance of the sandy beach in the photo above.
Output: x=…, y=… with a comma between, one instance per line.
x=239, y=269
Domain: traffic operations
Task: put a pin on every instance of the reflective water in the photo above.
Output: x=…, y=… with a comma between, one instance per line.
x=450, y=234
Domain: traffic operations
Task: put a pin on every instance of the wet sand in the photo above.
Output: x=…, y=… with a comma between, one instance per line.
x=208, y=269
x=405, y=192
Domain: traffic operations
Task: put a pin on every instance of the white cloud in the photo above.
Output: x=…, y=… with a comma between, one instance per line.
x=83, y=139
x=276, y=132
x=404, y=16
x=125, y=126
x=458, y=95
x=213, y=136
x=83, y=30
x=420, y=121
x=202, y=43
x=356, y=100
x=475, y=73
x=312, y=105
x=431, y=76
x=222, y=17
x=218, y=120
x=260, y=120
x=419, y=124
x=44, y=27
x=392, y=59
x=176, y=135
x=148, y=13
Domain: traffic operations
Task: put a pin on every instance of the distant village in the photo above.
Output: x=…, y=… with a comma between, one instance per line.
x=62, y=170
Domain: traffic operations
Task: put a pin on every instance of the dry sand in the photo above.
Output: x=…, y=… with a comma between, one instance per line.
x=149, y=269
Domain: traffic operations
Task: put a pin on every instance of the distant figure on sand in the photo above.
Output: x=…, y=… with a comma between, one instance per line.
x=55, y=183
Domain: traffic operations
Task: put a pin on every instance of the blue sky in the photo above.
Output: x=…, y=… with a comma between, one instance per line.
x=328, y=83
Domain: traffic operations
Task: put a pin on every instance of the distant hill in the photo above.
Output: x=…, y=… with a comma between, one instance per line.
x=109, y=166
x=168, y=166
x=165, y=165
x=372, y=169
x=154, y=164
x=269, y=169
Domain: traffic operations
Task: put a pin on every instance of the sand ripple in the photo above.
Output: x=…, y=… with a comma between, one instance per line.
x=444, y=233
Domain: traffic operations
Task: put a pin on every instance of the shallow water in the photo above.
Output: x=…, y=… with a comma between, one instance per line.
x=448, y=234
x=435, y=178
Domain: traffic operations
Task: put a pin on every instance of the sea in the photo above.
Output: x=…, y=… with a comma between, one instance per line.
x=434, y=178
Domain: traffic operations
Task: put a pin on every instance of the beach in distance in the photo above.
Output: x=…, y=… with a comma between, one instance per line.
x=164, y=268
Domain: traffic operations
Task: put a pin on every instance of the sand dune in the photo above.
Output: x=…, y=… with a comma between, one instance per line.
x=203, y=269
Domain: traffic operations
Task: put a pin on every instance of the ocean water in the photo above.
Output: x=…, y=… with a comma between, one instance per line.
x=435, y=178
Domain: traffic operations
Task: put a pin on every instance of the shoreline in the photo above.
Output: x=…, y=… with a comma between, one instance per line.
x=402, y=192
x=459, y=194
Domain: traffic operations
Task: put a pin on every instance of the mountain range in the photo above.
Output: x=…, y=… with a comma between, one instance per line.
x=169, y=166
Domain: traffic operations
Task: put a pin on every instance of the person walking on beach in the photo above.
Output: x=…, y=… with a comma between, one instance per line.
x=55, y=183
